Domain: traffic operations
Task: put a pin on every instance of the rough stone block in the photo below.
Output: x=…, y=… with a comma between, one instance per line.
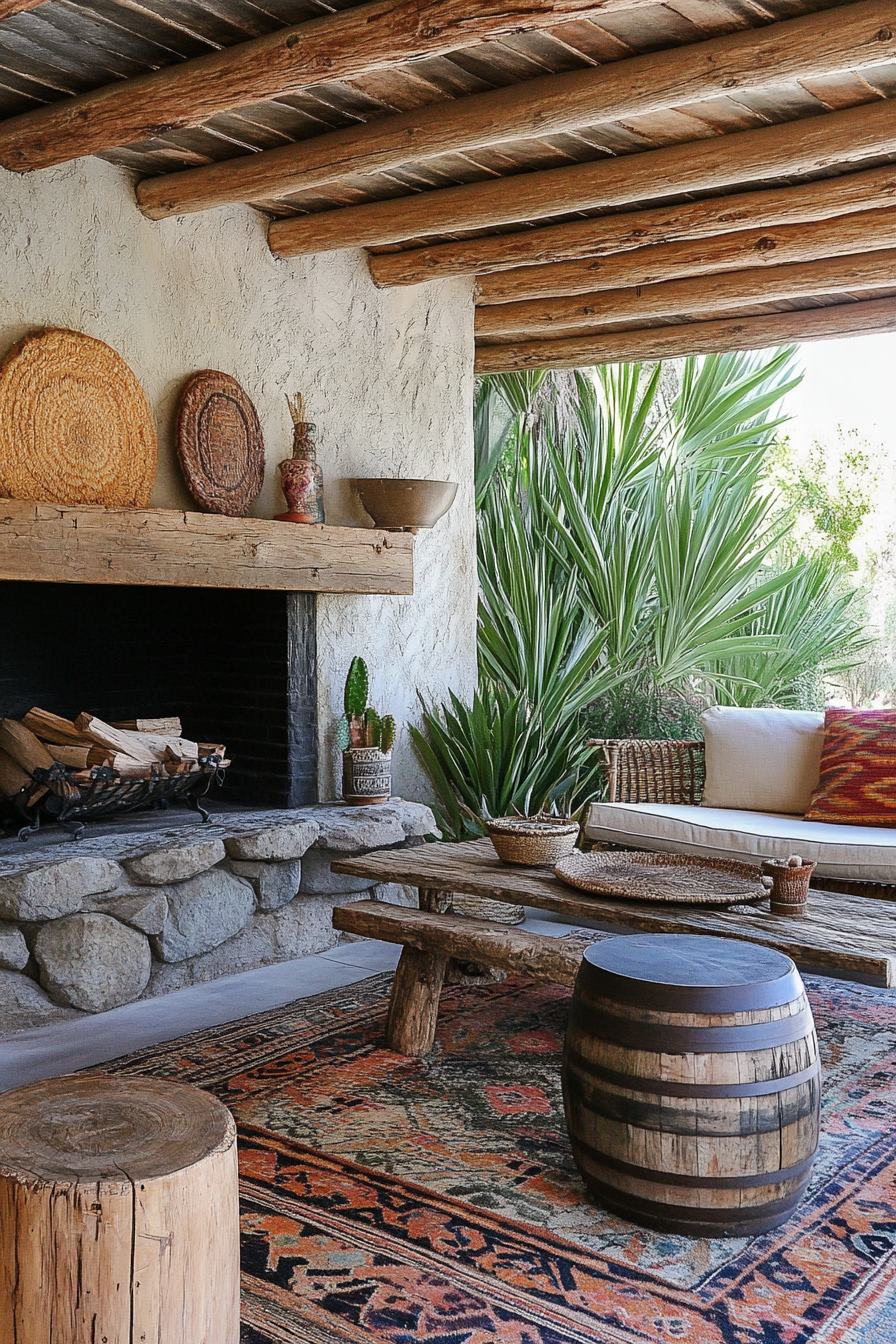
x=13, y=948
x=55, y=889
x=394, y=893
x=23, y=1004
x=175, y=863
x=202, y=912
x=318, y=880
x=145, y=911
x=275, y=884
x=275, y=842
x=92, y=962
x=296, y=930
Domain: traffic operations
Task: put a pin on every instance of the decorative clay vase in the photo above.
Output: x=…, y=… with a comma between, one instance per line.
x=302, y=480
x=366, y=775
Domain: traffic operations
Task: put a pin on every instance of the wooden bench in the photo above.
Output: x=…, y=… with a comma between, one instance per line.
x=849, y=937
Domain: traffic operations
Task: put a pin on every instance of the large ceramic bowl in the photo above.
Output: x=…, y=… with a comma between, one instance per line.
x=405, y=503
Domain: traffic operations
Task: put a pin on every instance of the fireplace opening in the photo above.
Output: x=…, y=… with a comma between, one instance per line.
x=237, y=666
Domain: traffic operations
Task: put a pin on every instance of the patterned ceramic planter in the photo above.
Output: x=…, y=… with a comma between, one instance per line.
x=366, y=775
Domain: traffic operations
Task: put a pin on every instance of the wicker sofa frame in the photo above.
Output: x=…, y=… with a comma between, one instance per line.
x=646, y=770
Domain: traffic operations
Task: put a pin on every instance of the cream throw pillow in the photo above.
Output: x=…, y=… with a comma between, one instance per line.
x=762, y=760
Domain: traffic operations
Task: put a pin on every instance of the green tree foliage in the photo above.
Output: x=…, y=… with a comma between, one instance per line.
x=630, y=570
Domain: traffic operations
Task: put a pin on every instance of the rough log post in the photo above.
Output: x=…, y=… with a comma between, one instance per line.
x=850, y=37
x=692, y=338
x=337, y=46
x=414, y=1005
x=870, y=230
x=119, y=1215
x=705, y=294
x=811, y=146
x=869, y=189
x=10, y=7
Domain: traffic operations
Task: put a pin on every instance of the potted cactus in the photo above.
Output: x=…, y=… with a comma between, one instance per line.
x=366, y=742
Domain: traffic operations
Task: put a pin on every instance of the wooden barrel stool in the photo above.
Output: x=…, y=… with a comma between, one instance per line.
x=691, y=1081
x=119, y=1219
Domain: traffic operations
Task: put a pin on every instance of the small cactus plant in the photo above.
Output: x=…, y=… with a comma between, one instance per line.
x=361, y=725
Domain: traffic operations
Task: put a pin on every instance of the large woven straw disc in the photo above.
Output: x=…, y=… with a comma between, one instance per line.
x=75, y=425
x=219, y=444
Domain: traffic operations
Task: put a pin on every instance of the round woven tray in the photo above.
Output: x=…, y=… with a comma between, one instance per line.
x=219, y=444
x=75, y=425
x=683, y=879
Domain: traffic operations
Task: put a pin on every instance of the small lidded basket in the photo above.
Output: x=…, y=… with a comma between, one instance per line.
x=531, y=840
x=789, y=893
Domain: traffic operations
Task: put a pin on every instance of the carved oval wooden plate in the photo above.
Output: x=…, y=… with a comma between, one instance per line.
x=219, y=444
x=75, y=425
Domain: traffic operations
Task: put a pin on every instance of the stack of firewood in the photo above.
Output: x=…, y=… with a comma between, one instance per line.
x=135, y=749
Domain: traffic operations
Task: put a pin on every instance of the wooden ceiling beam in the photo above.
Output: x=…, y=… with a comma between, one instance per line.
x=809, y=146
x=868, y=230
x=373, y=36
x=868, y=189
x=691, y=338
x=849, y=38
x=680, y=298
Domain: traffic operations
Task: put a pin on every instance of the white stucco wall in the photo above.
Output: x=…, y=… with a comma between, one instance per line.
x=387, y=377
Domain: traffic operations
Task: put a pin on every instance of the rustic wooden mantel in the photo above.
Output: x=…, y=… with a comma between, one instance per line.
x=90, y=544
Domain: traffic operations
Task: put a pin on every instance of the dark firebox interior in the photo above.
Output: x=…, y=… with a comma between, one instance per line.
x=238, y=667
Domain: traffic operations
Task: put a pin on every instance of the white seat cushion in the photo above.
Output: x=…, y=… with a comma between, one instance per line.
x=859, y=853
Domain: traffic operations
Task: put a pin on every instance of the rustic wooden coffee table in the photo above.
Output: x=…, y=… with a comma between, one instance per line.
x=850, y=937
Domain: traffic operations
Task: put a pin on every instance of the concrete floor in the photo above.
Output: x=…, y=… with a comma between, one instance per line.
x=45, y=1052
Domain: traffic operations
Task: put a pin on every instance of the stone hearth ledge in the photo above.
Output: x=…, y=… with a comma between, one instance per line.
x=92, y=925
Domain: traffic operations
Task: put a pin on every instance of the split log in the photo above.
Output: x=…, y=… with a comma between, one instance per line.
x=869, y=189
x=53, y=728
x=705, y=294
x=551, y=960
x=12, y=776
x=169, y=727
x=702, y=165
x=75, y=757
x=119, y=1215
x=847, y=38
x=374, y=36
x=21, y=744
x=163, y=743
x=869, y=230
x=104, y=735
x=10, y=7
x=690, y=338
x=119, y=760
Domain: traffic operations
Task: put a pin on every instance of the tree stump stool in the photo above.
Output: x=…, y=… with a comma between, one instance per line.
x=691, y=1081
x=119, y=1220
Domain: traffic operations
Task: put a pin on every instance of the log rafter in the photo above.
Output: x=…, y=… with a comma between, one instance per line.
x=852, y=37
x=770, y=248
x=690, y=338
x=374, y=36
x=607, y=235
x=703, y=294
x=820, y=143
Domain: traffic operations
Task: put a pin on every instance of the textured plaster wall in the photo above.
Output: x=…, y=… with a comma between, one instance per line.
x=387, y=377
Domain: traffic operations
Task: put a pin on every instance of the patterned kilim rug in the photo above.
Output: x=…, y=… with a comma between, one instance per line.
x=396, y=1201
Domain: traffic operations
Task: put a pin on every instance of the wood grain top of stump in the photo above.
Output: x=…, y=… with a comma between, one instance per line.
x=105, y=1129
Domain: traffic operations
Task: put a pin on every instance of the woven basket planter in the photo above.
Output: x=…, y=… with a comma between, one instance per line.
x=527, y=841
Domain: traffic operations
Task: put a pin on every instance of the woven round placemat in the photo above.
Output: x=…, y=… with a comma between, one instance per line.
x=75, y=425
x=219, y=444
x=685, y=879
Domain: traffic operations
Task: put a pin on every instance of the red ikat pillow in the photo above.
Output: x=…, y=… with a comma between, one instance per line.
x=857, y=784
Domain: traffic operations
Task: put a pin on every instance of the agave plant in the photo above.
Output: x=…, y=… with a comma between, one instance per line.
x=629, y=543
